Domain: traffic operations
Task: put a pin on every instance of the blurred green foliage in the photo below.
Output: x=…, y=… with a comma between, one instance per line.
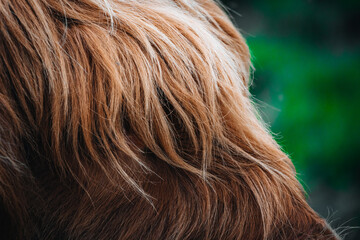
x=314, y=96
x=306, y=84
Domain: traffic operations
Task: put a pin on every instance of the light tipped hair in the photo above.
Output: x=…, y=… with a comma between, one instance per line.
x=133, y=120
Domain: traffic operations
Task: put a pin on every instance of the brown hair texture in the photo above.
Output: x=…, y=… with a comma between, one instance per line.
x=132, y=119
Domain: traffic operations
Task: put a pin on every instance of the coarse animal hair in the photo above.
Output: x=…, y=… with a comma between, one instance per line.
x=132, y=119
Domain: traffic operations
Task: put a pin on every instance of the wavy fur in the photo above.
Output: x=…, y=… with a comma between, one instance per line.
x=133, y=120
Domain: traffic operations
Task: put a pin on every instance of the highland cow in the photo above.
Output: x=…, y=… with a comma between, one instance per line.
x=132, y=119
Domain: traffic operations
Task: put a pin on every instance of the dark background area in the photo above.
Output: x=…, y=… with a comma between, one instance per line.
x=306, y=82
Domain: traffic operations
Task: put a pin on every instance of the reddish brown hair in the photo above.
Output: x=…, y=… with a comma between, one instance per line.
x=132, y=120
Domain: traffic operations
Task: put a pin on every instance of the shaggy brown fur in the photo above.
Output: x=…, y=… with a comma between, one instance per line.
x=132, y=120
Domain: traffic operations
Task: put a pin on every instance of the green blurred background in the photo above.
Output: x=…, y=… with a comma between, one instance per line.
x=307, y=85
